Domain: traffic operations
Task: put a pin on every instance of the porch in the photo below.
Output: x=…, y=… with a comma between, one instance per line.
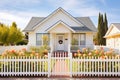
x=69, y=42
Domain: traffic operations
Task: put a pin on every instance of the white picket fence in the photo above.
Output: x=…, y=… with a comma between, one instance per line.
x=23, y=66
x=96, y=67
x=59, y=65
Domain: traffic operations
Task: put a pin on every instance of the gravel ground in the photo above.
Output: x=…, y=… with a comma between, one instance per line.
x=59, y=78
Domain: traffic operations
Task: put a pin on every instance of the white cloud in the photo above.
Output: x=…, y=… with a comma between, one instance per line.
x=21, y=18
x=19, y=2
x=78, y=7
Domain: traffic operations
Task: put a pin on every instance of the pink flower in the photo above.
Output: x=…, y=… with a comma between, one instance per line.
x=96, y=51
x=4, y=54
x=90, y=54
x=101, y=48
x=75, y=54
x=23, y=49
x=46, y=55
x=78, y=51
x=102, y=57
x=12, y=51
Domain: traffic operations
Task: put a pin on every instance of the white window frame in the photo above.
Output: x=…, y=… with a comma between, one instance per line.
x=41, y=39
x=79, y=38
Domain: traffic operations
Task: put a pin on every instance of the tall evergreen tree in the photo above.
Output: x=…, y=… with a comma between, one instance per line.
x=105, y=22
x=102, y=29
x=105, y=27
x=100, y=24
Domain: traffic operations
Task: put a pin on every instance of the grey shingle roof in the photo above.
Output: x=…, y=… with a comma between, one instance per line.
x=33, y=22
x=87, y=22
x=79, y=29
x=88, y=25
x=117, y=25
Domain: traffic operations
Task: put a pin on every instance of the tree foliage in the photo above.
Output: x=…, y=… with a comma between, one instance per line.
x=102, y=29
x=10, y=35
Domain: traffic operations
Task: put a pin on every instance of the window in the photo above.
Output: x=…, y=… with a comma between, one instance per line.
x=75, y=39
x=82, y=39
x=42, y=39
x=78, y=39
x=38, y=39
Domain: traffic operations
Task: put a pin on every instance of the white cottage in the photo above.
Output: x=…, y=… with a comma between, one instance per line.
x=113, y=36
x=65, y=32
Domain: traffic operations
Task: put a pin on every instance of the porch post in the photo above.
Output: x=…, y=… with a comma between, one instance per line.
x=51, y=42
x=69, y=43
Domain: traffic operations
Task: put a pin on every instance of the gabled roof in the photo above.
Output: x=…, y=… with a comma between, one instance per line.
x=83, y=21
x=117, y=25
x=54, y=12
x=60, y=22
x=87, y=22
x=33, y=22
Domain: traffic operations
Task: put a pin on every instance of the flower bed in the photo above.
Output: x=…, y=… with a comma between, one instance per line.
x=98, y=53
x=24, y=52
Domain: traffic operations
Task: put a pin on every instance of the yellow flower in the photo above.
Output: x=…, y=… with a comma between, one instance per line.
x=79, y=54
x=84, y=55
x=37, y=54
x=117, y=56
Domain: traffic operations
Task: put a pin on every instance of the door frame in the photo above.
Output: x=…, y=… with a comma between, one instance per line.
x=57, y=35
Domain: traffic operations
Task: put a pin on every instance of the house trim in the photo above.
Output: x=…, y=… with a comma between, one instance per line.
x=66, y=25
x=111, y=26
x=56, y=11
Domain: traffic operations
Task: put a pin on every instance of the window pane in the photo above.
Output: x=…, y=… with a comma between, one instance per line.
x=46, y=39
x=75, y=39
x=82, y=39
x=38, y=39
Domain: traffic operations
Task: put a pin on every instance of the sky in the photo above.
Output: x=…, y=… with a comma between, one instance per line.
x=21, y=11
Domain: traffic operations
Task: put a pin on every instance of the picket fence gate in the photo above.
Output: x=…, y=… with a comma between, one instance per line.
x=59, y=64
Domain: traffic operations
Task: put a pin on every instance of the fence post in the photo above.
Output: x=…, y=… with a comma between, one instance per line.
x=49, y=65
x=70, y=64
